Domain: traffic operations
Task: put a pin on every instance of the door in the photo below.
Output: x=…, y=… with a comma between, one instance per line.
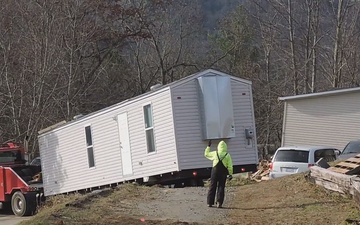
x=125, y=144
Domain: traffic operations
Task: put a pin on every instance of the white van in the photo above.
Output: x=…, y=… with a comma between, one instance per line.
x=297, y=159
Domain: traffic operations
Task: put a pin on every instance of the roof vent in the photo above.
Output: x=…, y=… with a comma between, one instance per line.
x=78, y=116
x=154, y=87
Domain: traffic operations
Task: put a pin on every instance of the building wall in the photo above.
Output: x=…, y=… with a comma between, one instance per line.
x=188, y=125
x=325, y=120
x=64, y=153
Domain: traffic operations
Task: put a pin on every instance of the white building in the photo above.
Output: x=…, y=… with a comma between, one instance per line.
x=161, y=134
x=329, y=118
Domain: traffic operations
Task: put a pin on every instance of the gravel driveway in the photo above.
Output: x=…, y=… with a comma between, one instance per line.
x=185, y=204
x=129, y=204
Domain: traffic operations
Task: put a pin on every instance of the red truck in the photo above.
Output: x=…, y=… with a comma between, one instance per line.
x=20, y=184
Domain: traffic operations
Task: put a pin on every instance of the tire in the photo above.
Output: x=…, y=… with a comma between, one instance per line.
x=23, y=205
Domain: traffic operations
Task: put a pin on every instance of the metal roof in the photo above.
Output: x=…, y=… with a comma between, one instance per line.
x=325, y=93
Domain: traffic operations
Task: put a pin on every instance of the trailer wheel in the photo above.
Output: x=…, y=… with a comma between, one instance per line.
x=22, y=205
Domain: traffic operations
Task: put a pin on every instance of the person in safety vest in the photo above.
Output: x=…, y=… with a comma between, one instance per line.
x=222, y=168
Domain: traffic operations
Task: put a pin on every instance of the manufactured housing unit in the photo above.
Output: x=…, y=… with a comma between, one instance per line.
x=329, y=118
x=159, y=134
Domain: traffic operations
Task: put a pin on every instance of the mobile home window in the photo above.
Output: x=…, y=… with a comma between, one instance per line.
x=149, y=129
x=89, y=146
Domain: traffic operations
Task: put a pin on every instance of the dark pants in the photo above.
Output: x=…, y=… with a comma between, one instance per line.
x=217, y=183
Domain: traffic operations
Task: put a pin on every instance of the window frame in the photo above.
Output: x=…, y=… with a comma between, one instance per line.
x=91, y=146
x=146, y=129
x=294, y=153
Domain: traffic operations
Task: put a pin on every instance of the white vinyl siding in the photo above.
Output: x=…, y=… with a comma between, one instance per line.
x=66, y=168
x=325, y=120
x=63, y=149
x=188, y=126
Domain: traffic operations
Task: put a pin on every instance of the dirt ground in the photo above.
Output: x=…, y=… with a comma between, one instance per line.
x=184, y=204
x=133, y=204
x=290, y=200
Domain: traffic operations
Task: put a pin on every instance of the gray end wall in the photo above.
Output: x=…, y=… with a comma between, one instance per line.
x=188, y=126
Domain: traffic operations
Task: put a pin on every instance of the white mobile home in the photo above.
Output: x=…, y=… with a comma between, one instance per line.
x=329, y=118
x=159, y=135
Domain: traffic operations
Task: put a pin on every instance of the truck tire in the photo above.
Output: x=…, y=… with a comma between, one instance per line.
x=23, y=205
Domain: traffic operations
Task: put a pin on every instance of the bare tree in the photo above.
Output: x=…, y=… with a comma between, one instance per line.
x=53, y=54
x=349, y=51
x=337, y=58
x=167, y=51
x=292, y=47
x=311, y=42
x=314, y=25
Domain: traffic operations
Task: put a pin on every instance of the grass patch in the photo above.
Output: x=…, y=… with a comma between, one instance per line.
x=291, y=200
x=239, y=181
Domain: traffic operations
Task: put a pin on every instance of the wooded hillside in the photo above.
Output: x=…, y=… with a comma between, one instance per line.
x=64, y=58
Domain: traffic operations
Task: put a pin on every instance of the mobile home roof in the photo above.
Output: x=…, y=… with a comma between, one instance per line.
x=325, y=93
x=139, y=97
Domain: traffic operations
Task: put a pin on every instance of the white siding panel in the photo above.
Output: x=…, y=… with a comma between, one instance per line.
x=64, y=155
x=188, y=126
x=327, y=120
